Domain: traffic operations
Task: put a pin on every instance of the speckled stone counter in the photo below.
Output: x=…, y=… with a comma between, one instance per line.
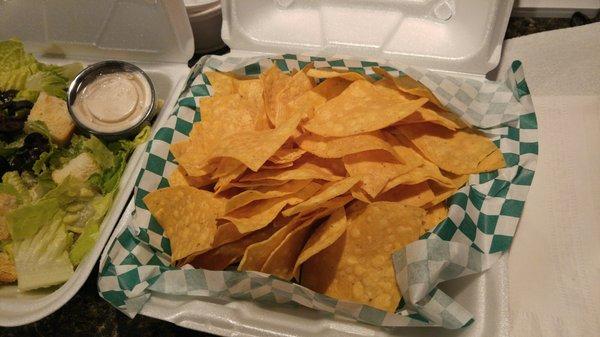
x=89, y=315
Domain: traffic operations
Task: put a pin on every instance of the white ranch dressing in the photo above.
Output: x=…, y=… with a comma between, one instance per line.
x=113, y=102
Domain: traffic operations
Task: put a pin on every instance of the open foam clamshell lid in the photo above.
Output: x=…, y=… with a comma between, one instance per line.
x=449, y=35
x=155, y=35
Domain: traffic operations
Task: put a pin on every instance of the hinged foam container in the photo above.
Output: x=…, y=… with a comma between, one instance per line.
x=458, y=36
x=154, y=35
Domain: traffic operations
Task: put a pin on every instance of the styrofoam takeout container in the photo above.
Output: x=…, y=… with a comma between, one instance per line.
x=88, y=31
x=459, y=36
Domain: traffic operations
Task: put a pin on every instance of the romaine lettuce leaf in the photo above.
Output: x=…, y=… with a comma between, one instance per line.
x=42, y=260
x=26, y=220
x=88, y=237
x=14, y=185
x=19, y=70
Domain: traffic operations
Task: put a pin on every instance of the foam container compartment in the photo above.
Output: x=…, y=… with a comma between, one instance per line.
x=86, y=31
x=459, y=36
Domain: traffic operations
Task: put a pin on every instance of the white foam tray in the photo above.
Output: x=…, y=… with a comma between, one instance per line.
x=86, y=32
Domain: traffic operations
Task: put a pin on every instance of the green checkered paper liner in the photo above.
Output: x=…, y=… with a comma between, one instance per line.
x=482, y=218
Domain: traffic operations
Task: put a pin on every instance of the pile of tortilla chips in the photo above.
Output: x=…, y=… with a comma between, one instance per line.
x=316, y=176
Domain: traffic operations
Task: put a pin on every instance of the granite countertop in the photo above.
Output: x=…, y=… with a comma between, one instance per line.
x=86, y=314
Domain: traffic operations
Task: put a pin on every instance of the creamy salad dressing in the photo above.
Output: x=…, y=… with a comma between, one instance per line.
x=113, y=102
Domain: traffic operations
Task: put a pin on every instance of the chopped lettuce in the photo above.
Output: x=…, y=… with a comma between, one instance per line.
x=108, y=180
x=42, y=260
x=25, y=221
x=99, y=205
x=14, y=185
x=19, y=70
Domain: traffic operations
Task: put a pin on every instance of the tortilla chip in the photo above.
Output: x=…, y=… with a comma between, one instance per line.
x=327, y=192
x=258, y=183
x=358, y=266
x=273, y=82
x=331, y=87
x=410, y=86
x=433, y=114
x=263, y=193
x=375, y=168
x=492, y=162
x=308, y=167
x=346, y=75
x=414, y=195
x=257, y=254
x=224, y=183
x=324, y=236
x=427, y=171
x=253, y=148
x=221, y=257
x=221, y=83
x=226, y=232
x=337, y=147
x=298, y=85
x=433, y=217
x=359, y=109
x=188, y=216
x=180, y=178
x=443, y=192
x=284, y=155
x=305, y=104
x=271, y=166
x=458, y=152
x=260, y=213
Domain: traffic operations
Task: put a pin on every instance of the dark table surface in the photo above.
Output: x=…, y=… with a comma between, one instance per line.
x=86, y=314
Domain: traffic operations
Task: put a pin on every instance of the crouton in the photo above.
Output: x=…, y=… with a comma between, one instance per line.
x=54, y=113
x=8, y=272
x=81, y=167
x=7, y=204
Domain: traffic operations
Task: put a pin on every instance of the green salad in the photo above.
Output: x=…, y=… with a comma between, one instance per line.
x=57, y=185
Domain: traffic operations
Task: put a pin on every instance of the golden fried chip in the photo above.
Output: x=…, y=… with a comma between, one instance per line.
x=346, y=75
x=358, y=266
x=435, y=115
x=224, y=183
x=375, y=168
x=324, y=236
x=271, y=166
x=221, y=83
x=257, y=254
x=285, y=155
x=360, y=108
x=226, y=232
x=492, y=162
x=444, y=192
x=331, y=87
x=327, y=192
x=458, y=151
x=273, y=82
x=253, y=148
x=413, y=195
x=298, y=85
x=260, y=213
x=308, y=167
x=427, y=171
x=188, y=216
x=180, y=178
x=262, y=193
x=410, y=86
x=221, y=257
x=433, y=217
x=337, y=147
x=305, y=104
x=258, y=183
